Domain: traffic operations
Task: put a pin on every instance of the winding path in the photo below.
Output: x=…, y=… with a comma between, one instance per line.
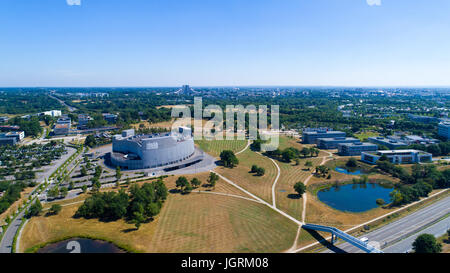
x=246, y=147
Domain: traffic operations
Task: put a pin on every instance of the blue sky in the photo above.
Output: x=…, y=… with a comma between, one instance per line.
x=224, y=42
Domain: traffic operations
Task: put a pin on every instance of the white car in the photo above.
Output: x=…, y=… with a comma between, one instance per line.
x=364, y=240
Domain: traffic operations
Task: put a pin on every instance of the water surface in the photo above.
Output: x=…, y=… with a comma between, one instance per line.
x=354, y=197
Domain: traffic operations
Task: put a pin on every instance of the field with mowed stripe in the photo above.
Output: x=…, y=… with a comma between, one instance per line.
x=215, y=147
x=286, y=198
x=258, y=185
x=209, y=223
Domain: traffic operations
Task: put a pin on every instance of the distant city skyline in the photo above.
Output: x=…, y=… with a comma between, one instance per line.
x=233, y=43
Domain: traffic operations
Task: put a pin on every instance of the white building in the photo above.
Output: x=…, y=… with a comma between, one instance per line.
x=397, y=156
x=53, y=113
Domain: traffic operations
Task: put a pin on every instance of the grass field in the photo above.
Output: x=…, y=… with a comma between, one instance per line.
x=219, y=224
x=363, y=136
x=286, y=197
x=215, y=147
x=196, y=222
x=258, y=185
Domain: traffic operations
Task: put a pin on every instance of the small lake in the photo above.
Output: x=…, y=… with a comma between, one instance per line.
x=354, y=197
x=342, y=170
x=79, y=245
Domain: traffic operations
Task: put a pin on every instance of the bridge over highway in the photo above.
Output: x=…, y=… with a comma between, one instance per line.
x=336, y=233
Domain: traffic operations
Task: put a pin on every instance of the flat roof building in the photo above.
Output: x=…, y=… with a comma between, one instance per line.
x=110, y=118
x=83, y=121
x=61, y=129
x=11, y=138
x=352, y=149
x=310, y=137
x=389, y=143
x=53, y=113
x=332, y=143
x=397, y=156
x=4, y=141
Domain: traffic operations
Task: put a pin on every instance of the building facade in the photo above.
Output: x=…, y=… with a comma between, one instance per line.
x=397, y=156
x=444, y=130
x=352, y=149
x=311, y=137
x=133, y=152
x=11, y=138
x=83, y=121
x=389, y=143
x=332, y=143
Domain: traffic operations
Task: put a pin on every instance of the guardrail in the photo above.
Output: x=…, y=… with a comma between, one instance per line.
x=344, y=236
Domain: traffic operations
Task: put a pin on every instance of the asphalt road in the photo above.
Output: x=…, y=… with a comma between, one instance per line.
x=411, y=225
x=8, y=237
x=438, y=229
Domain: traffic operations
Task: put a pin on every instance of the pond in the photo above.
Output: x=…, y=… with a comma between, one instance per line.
x=355, y=197
x=355, y=172
x=79, y=245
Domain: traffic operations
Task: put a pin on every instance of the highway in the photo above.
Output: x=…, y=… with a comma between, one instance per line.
x=391, y=234
x=405, y=245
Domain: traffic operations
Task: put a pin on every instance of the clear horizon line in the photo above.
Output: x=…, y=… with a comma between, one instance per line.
x=234, y=86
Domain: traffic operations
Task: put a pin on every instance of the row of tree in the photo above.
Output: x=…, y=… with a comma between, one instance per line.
x=140, y=205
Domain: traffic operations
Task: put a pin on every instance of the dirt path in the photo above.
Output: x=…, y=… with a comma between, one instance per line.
x=246, y=147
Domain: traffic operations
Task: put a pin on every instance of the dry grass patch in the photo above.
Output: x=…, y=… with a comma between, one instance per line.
x=210, y=223
x=187, y=223
x=258, y=185
x=286, y=198
x=215, y=147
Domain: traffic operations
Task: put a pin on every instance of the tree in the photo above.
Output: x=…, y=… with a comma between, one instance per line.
x=300, y=188
x=63, y=192
x=254, y=169
x=53, y=192
x=118, y=173
x=288, y=155
x=161, y=190
x=351, y=163
x=260, y=171
x=308, y=164
x=83, y=171
x=181, y=182
x=138, y=219
x=195, y=182
x=304, y=151
x=84, y=188
x=34, y=209
x=90, y=141
x=426, y=243
x=55, y=209
x=71, y=185
x=228, y=159
x=212, y=179
x=188, y=188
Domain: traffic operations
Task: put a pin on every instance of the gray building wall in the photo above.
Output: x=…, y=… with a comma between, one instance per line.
x=153, y=151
